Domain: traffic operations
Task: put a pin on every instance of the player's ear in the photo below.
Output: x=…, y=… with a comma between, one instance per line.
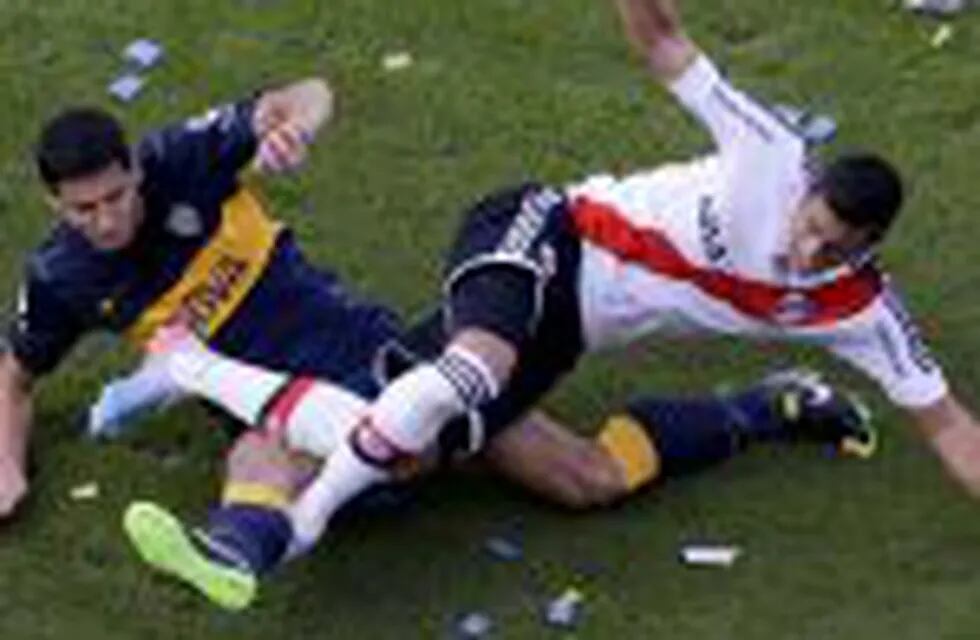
x=52, y=201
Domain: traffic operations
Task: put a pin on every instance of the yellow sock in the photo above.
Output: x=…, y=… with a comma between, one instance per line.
x=628, y=443
x=255, y=494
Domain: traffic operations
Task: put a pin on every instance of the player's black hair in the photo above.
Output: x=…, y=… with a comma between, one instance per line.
x=79, y=142
x=864, y=190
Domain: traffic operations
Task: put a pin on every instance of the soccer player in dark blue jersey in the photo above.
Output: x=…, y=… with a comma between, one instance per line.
x=167, y=231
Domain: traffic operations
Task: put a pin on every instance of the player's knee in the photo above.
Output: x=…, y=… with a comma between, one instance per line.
x=500, y=299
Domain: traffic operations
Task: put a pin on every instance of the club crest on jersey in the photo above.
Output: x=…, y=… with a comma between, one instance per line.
x=184, y=221
x=794, y=308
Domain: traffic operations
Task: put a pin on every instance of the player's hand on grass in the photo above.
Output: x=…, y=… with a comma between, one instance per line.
x=959, y=448
x=13, y=486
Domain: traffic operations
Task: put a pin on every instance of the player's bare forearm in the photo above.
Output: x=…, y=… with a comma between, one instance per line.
x=654, y=29
x=15, y=421
x=15, y=409
x=954, y=434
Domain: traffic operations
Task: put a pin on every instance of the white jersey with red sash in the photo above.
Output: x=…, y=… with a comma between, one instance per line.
x=700, y=248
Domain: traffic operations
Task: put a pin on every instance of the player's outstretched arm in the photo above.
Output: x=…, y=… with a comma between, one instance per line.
x=954, y=434
x=286, y=121
x=16, y=408
x=653, y=28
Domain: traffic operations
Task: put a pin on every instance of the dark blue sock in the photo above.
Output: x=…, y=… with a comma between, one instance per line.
x=689, y=434
x=259, y=536
x=755, y=414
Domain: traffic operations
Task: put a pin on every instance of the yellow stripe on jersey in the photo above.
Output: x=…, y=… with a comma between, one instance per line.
x=629, y=444
x=221, y=274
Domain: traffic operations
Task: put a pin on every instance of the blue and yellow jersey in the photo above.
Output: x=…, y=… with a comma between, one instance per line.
x=207, y=253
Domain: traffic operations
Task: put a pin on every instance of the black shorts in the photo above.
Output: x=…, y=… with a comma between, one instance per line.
x=523, y=228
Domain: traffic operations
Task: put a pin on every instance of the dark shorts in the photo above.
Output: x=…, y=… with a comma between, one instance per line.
x=524, y=229
x=301, y=319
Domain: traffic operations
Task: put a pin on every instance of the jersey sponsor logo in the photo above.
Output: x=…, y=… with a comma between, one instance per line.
x=711, y=234
x=184, y=221
x=220, y=275
x=204, y=301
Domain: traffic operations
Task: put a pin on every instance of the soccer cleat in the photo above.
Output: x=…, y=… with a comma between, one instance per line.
x=813, y=410
x=165, y=544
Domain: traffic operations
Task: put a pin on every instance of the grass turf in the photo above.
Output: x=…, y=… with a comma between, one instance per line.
x=500, y=91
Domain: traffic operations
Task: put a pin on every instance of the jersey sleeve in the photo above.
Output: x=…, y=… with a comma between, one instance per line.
x=44, y=327
x=737, y=122
x=763, y=161
x=886, y=344
x=215, y=146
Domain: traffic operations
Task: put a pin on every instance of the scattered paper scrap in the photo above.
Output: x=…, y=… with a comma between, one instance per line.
x=936, y=7
x=143, y=53
x=126, y=87
x=814, y=127
x=87, y=491
x=565, y=611
x=473, y=625
x=504, y=548
x=942, y=36
x=710, y=555
x=397, y=61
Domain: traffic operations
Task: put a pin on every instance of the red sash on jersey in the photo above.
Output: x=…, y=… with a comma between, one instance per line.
x=788, y=306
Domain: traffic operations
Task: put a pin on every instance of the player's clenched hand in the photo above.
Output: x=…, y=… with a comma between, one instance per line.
x=282, y=148
x=653, y=28
x=13, y=486
x=959, y=448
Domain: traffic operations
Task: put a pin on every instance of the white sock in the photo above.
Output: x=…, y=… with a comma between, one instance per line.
x=344, y=476
x=323, y=418
x=241, y=389
x=413, y=409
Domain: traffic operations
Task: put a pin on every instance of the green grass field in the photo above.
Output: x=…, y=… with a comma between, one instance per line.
x=501, y=90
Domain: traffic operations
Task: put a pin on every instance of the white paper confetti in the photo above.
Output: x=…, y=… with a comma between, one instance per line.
x=86, y=491
x=397, y=61
x=126, y=87
x=143, y=53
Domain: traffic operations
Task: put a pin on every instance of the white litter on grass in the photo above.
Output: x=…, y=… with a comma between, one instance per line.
x=936, y=7
x=143, y=53
x=565, y=611
x=397, y=61
x=82, y=492
x=473, y=626
x=710, y=555
x=126, y=87
x=942, y=36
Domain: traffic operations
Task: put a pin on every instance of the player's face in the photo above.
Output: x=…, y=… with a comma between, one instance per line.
x=105, y=206
x=819, y=239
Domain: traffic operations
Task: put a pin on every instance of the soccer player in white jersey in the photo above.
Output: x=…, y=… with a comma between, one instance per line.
x=755, y=240
x=749, y=241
